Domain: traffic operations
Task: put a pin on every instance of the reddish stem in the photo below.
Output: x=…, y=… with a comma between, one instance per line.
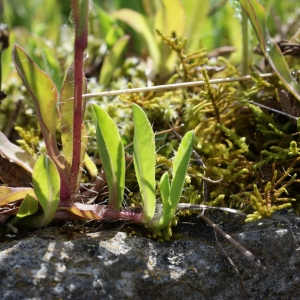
x=122, y=215
x=80, y=13
x=104, y=214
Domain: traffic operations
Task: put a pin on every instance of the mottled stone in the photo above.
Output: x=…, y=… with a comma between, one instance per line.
x=114, y=265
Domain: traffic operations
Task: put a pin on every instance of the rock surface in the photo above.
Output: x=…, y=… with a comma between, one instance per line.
x=114, y=265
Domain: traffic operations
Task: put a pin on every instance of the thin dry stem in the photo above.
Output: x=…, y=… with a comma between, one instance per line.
x=172, y=86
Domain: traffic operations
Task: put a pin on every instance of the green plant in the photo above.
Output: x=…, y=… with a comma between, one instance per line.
x=56, y=175
x=112, y=152
x=264, y=202
x=238, y=141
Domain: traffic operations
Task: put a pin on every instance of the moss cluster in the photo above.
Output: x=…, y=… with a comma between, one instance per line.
x=250, y=154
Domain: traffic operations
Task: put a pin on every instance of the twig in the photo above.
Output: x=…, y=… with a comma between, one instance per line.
x=232, y=265
x=188, y=206
x=237, y=245
x=272, y=109
x=173, y=86
x=12, y=227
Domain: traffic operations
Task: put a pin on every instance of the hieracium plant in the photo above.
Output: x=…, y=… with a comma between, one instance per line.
x=50, y=182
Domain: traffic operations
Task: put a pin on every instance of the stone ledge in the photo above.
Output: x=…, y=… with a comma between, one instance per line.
x=113, y=265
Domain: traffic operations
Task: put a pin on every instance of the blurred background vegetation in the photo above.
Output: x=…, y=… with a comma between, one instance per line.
x=44, y=29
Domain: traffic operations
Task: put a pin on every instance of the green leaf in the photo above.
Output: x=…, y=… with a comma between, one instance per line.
x=41, y=89
x=46, y=184
x=196, y=13
x=139, y=23
x=6, y=55
x=108, y=27
x=164, y=186
x=47, y=59
x=166, y=23
x=112, y=155
x=180, y=165
x=257, y=16
x=144, y=159
x=136, y=5
x=181, y=162
x=90, y=166
x=112, y=59
x=113, y=35
x=40, y=17
x=106, y=21
x=29, y=206
x=44, y=96
x=67, y=116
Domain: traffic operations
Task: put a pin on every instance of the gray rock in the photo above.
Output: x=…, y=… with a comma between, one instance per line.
x=115, y=265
